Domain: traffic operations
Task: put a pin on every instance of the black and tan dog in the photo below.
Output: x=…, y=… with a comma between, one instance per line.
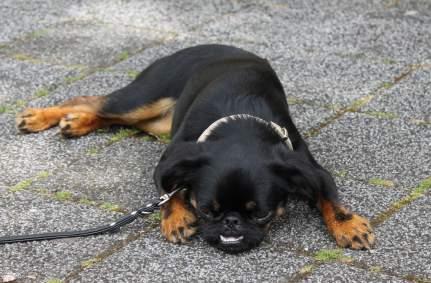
x=234, y=146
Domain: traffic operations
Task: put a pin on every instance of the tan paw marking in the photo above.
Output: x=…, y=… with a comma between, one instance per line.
x=178, y=221
x=78, y=124
x=349, y=230
x=355, y=233
x=34, y=120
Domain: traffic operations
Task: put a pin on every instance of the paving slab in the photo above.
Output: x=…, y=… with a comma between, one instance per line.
x=152, y=259
x=21, y=80
x=120, y=173
x=403, y=245
x=23, y=156
x=24, y=212
x=301, y=220
x=403, y=38
x=20, y=17
x=170, y=16
x=85, y=44
x=369, y=147
x=316, y=71
x=410, y=99
x=341, y=273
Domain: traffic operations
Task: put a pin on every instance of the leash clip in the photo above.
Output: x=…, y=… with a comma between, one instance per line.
x=164, y=198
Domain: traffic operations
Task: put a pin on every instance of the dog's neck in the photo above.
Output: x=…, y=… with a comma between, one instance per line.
x=282, y=132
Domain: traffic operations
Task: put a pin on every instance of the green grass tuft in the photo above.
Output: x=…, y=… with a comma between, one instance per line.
x=386, y=85
x=326, y=255
x=23, y=57
x=341, y=173
x=165, y=138
x=54, y=280
x=42, y=191
x=294, y=100
x=375, y=269
x=20, y=103
x=37, y=33
x=41, y=92
x=123, y=56
x=382, y=115
x=42, y=175
x=420, y=122
x=148, y=138
x=381, y=182
x=90, y=262
x=86, y=201
x=63, y=196
x=132, y=74
x=93, y=151
x=122, y=134
x=388, y=61
x=307, y=269
x=359, y=103
x=110, y=207
x=21, y=186
x=72, y=79
x=11, y=108
x=155, y=217
x=423, y=187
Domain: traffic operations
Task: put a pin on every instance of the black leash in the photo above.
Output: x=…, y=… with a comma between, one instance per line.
x=113, y=227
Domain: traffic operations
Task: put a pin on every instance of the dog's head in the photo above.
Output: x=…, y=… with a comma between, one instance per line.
x=236, y=188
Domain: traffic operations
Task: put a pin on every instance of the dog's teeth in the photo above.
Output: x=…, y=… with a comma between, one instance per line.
x=231, y=240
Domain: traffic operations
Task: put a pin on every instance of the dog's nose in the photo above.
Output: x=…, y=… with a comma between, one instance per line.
x=231, y=221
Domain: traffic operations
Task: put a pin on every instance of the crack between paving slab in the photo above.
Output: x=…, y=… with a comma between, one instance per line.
x=28, y=186
x=364, y=266
x=414, y=194
x=356, y=105
x=84, y=72
x=308, y=269
x=105, y=254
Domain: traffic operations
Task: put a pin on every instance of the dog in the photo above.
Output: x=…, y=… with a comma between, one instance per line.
x=234, y=146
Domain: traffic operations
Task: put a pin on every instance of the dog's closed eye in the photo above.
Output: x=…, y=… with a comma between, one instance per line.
x=209, y=214
x=261, y=217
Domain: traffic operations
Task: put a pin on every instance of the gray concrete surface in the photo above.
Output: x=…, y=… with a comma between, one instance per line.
x=357, y=75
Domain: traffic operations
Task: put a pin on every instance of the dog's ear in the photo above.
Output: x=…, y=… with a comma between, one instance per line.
x=303, y=178
x=179, y=165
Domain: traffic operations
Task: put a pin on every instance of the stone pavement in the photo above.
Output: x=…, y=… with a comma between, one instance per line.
x=358, y=78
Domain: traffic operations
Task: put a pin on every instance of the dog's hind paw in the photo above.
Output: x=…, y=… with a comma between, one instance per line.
x=79, y=124
x=34, y=120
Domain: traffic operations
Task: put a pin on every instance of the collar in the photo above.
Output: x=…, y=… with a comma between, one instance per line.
x=282, y=132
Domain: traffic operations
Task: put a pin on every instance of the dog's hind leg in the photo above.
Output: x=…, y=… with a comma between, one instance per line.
x=82, y=115
x=157, y=126
x=82, y=110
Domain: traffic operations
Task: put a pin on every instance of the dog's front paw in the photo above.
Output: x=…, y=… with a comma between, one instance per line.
x=34, y=120
x=349, y=229
x=355, y=233
x=178, y=222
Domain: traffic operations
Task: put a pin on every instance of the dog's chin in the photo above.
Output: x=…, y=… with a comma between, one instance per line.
x=239, y=242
